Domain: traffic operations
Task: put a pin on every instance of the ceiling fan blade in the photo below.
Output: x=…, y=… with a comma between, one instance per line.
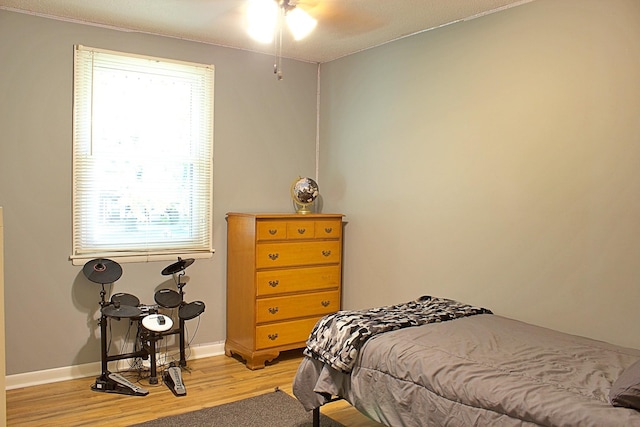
x=340, y=16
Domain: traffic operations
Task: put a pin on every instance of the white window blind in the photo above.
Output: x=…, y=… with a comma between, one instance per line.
x=142, y=157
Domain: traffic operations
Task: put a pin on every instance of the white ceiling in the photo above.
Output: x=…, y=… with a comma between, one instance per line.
x=344, y=26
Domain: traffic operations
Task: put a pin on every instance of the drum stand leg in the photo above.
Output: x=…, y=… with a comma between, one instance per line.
x=104, y=376
x=183, y=358
x=102, y=381
x=153, y=375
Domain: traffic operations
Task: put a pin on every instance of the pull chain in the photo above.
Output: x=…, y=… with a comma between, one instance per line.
x=277, y=66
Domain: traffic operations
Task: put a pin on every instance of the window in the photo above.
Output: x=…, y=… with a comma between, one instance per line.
x=142, y=157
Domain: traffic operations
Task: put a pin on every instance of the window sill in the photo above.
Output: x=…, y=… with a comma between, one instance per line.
x=140, y=257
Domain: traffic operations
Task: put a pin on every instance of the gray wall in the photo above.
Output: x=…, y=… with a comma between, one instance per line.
x=495, y=161
x=265, y=136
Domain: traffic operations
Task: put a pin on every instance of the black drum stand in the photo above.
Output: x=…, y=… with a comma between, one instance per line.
x=152, y=326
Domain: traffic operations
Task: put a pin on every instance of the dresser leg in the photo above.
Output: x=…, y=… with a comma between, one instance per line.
x=253, y=359
x=259, y=359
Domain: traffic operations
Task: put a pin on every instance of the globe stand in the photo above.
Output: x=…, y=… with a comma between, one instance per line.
x=302, y=209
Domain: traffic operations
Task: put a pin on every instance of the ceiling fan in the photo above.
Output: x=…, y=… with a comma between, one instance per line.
x=266, y=20
x=302, y=15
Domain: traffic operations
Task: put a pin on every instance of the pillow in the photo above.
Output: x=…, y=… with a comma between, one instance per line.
x=625, y=391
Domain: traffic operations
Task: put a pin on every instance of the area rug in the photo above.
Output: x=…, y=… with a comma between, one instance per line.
x=276, y=409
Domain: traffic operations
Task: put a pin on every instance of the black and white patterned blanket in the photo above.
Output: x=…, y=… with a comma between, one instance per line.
x=337, y=338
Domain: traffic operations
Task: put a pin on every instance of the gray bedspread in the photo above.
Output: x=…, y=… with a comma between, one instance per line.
x=484, y=370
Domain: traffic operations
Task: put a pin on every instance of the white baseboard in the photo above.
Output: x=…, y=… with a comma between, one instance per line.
x=29, y=379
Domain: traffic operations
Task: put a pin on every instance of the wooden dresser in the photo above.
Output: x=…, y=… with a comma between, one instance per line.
x=283, y=274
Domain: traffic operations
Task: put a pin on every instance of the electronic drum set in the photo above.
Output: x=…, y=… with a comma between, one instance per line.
x=152, y=325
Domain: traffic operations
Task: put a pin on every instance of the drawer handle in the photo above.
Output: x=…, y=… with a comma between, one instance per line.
x=301, y=230
x=274, y=310
x=328, y=230
x=273, y=257
x=274, y=283
x=273, y=337
x=326, y=253
x=325, y=303
x=273, y=231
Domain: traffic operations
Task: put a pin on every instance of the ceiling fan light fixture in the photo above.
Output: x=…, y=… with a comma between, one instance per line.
x=262, y=18
x=300, y=23
x=266, y=19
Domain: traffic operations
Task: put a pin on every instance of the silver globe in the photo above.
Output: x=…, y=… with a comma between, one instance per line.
x=304, y=192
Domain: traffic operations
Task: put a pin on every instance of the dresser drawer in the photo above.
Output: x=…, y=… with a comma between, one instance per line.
x=271, y=255
x=284, y=333
x=289, y=307
x=300, y=230
x=271, y=230
x=331, y=229
x=270, y=282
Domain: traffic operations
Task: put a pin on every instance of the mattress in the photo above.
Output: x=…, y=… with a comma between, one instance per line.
x=483, y=370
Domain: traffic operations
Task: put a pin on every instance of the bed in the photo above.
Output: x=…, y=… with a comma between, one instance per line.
x=472, y=369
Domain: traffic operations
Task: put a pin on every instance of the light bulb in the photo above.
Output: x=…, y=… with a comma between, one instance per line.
x=262, y=17
x=300, y=23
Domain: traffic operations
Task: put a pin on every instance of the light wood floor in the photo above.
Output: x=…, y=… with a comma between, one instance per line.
x=209, y=381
